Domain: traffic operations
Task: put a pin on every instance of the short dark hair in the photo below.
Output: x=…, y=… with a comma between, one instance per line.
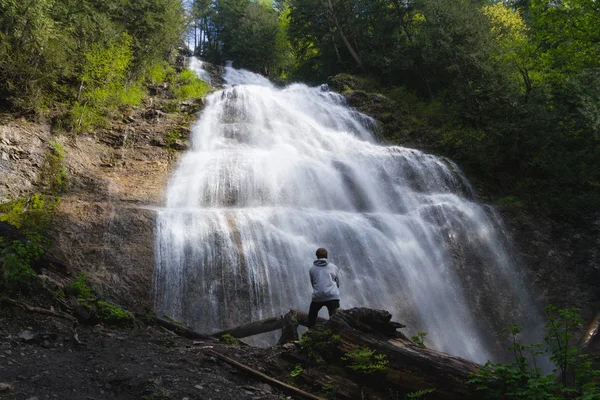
x=321, y=252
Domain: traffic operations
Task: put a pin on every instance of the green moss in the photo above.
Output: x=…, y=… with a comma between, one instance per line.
x=112, y=313
x=81, y=289
x=32, y=213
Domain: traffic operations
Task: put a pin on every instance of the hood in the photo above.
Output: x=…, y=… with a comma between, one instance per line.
x=321, y=262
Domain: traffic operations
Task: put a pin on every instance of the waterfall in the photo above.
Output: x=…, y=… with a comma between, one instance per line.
x=273, y=174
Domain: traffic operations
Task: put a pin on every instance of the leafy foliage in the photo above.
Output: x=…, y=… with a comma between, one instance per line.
x=419, y=393
x=296, y=371
x=81, y=55
x=189, y=86
x=80, y=288
x=365, y=361
x=418, y=339
x=320, y=344
x=523, y=379
x=17, y=258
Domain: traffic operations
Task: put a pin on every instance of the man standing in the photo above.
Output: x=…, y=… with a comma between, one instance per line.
x=326, y=287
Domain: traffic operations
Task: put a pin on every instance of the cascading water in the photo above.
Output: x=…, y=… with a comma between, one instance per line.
x=274, y=174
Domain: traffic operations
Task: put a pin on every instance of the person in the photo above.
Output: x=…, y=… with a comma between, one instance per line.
x=324, y=277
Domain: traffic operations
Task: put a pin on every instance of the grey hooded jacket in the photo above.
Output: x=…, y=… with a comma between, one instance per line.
x=325, y=281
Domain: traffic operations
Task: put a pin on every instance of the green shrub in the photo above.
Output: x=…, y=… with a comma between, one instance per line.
x=523, y=379
x=17, y=258
x=160, y=72
x=296, y=371
x=418, y=339
x=106, y=88
x=229, y=339
x=320, y=344
x=188, y=86
x=81, y=289
x=365, y=361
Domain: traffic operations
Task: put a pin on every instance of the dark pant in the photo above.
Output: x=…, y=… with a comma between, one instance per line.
x=315, y=306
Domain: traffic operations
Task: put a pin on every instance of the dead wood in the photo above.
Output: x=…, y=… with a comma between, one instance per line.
x=283, y=386
x=253, y=328
x=409, y=366
x=289, y=332
x=180, y=329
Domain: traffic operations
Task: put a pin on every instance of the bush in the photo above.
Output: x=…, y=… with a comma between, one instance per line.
x=160, y=72
x=320, y=344
x=418, y=339
x=81, y=289
x=228, y=339
x=188, y=86
x=106, y=88
x=17, y=258
x=523, y=379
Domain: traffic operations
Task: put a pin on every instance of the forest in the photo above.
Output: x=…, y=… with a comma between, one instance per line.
x=510, y=90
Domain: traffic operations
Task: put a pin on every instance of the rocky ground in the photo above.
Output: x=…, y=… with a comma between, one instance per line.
x=40, y=359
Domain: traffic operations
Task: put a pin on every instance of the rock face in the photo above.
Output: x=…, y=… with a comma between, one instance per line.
x=23, y=148
x=104, y=224
x=562, y=262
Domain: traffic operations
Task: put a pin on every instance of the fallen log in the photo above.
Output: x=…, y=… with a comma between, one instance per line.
x=264, y=326
x=287, y=388
x=180, y=329
x=410, y=367
x=253, y=328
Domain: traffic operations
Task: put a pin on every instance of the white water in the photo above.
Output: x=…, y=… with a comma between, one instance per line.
x=274, y=174
x=196, y=65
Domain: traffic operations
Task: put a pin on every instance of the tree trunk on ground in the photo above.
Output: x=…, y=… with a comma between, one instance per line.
x=265, y=325
x=410, y=366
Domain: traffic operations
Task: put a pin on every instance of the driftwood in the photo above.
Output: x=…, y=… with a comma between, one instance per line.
x=283, y=386
x=38, y=310
x=410, y=367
